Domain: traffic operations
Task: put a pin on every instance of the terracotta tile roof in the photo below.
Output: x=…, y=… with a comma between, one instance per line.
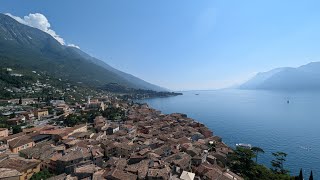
x=159, y=173
x=75, y=153
x=19, y=164
x=121, y=175
x=90, y=168
x=20, y=141
x=7, y=173
x=40, y=151
x=11, y=137
x=140, y=168
x=213, y=174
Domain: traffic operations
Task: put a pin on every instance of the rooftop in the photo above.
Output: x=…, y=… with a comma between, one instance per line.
x=7, y=173
x=20, y=141
x=19, y=164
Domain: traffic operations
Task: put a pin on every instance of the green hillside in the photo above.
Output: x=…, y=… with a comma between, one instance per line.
x=26, y=48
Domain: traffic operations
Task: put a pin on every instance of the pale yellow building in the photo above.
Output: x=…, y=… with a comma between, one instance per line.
x=41, y=113
x=25, y=167
x=4, y=132
x=20, y=143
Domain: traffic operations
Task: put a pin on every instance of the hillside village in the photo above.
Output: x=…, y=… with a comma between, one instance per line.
x=106, y=138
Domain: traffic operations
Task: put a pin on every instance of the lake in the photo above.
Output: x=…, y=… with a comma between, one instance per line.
x=262, y=118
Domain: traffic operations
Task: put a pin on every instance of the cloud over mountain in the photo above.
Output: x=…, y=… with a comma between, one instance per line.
x=39, y=21
x=73, y=45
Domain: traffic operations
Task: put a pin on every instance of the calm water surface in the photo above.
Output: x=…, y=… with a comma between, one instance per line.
x=261, y=118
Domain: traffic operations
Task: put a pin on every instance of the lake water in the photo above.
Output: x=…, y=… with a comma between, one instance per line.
x=261, y=118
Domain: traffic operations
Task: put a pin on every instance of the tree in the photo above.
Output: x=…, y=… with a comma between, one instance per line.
x=212, y=146
x=16, y=129
x=311, y=176
x=241, y=161
x=257, y=150
x=13, y=115
x=44, y=174
x=300, y=175
x=113, y=113
x=277, y=163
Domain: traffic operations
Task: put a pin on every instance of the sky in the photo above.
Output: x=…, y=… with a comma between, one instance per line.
x=182, y=44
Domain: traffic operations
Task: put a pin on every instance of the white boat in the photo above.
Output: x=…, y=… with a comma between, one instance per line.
x=243, y=145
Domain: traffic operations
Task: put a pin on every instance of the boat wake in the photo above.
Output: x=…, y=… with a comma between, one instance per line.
x=305, y=148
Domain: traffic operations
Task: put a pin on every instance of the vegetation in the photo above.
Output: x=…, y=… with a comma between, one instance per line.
x=241, y=162
x=46, y=54
x=44, y=174
x=131, y=93
x=311, y=176
x=112, y=113
x=257, y=150
x=74, y=119
x=15, y=128
x=277, y=163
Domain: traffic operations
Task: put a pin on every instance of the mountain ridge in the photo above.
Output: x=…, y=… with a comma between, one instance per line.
x=27, y=47
x=305, y=77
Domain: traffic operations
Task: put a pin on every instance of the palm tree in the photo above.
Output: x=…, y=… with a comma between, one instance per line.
x=257, y=150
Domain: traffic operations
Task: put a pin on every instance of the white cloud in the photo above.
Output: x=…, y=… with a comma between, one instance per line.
x=73, y=45
x=40, y=21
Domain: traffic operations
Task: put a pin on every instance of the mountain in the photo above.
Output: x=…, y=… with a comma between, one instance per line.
x=141, y=84
x=306, y=77
x=28, y=48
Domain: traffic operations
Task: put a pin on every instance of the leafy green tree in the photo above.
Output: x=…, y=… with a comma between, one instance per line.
x=212, y=147
x=50, y=110
x=16, y=129
x=44, y=174
x=73, y=120
x=13, y=115
x=113, y=113
x=257, y=150
x=277, y=163
x=241, y=161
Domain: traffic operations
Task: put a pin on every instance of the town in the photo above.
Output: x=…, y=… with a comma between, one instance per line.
x=105, y=137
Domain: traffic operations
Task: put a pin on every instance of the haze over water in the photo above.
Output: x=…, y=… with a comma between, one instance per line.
x=261, y=118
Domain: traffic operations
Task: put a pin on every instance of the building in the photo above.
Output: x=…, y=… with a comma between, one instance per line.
x=80, y=128
x=16, y=120
x=20, y=143
x=40, y=113
x=9, y=174
x=4, y=132
x=25, y=167
x=112, y=129
x=57, y=103
x=117, y=174
x=187, y=175
x=95, y=104
x=76, y=157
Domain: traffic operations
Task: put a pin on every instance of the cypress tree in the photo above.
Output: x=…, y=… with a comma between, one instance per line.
x=300, y=175
x=311, y=176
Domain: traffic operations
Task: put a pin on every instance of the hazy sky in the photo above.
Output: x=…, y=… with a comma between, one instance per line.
x=182, y=44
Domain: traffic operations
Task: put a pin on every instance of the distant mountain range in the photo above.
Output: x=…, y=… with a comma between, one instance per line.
x=31, y=49
x=306, y=77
